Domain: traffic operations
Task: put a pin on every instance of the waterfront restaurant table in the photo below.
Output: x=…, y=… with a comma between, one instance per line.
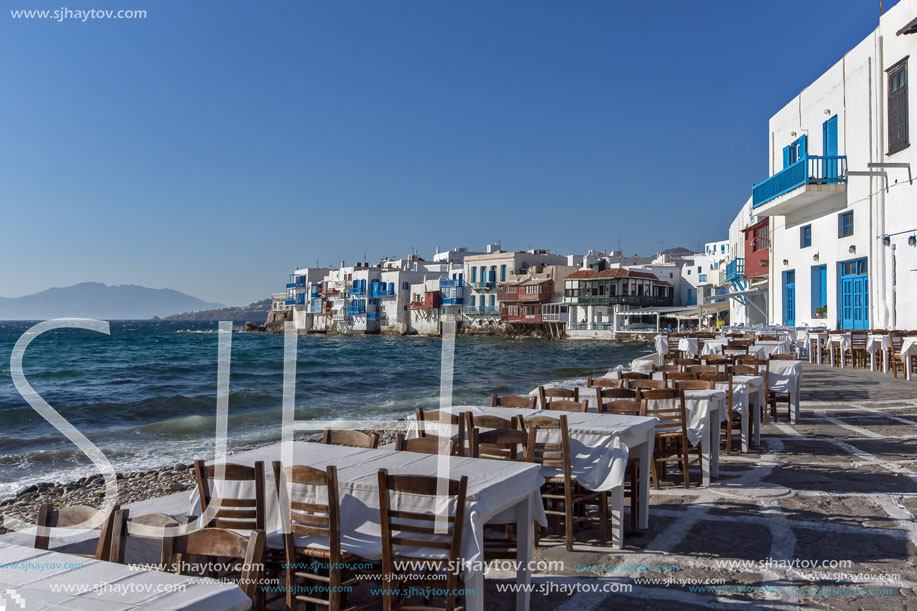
x=908, y=352
x=601, y=445
x=503, y=492
x=705, y=409
x=765, y=348
x=878, y=342
x=821, y=338
x=53, y=580
x=748, y=401
x=842, y=340
x=786, y=377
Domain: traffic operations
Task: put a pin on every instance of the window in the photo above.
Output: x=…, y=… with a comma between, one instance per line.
x=845, y=225
x=819, y=291
x=474, y=274
x=472, y=300
x=897, y=107
x=722, y=249
x=795, y=151
x=405, y=286
x=761, y=241
x=700, y=269
x=805, y=236
x=503, y=273
x=689, y=272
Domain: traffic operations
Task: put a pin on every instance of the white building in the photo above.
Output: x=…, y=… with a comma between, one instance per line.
x=842, y=251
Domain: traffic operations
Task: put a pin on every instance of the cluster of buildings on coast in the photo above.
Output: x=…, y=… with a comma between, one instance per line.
x=828, y=239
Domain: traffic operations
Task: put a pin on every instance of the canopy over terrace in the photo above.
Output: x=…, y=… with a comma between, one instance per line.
x=659, y=312
x=710, y=309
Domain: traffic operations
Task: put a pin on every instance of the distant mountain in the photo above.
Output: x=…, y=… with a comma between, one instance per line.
x=97, y=300
x=254, y=312
x=678, y=251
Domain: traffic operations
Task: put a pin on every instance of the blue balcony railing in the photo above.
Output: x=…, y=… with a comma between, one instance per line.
x=735, y=270
x=810, y=169
x=382, y=292
x=451, y=283
x=356, y=309
x=449, y=301
x=289, y=302
x=291, y=285
x=316, y=307
x=357, y=290
x=375, y=316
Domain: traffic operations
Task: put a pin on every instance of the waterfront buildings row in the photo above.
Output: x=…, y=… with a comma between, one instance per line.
x=591, y=295
x=830, y=237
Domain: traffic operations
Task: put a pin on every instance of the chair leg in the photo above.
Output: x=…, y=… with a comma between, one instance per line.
x=568, y=515
x=729, y=435
x=603, y=516
x=655, y=475
x=684, y=462
x=634, y=496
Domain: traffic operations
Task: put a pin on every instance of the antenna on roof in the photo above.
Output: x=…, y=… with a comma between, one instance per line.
x=881, y=10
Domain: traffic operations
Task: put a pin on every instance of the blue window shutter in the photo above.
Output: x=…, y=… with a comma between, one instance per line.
x=786, y=157
x=474, y=274
x=503, y=273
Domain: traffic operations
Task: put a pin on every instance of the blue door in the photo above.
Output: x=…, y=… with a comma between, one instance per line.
x=789, y=298
x=829, y=137
x=853, y=295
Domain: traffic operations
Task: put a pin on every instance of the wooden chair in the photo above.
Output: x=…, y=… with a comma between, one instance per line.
x=222, y=544
x=513, y=401
x=743, y=370
x=434, y=420
x=560, y=487
x=671, y=378
x=428, y=444
x=628, y=407
x=418, y=531
x=736, y=347
x=354, y=439
x=719, y=361
x=665, y=368
x=630, y=376
x=640, y=385
x=699, y=369
x=72, y=517
x=612, y=393
x=896, y=338
x=693, y=384
x=734, y=418
x=545, y=395
x=122, y=526
x=314, y=540
x=602, y=382
x=817, y=351
x=568, y=406
x=768, y=338
x=878, y=353
x=671, y=431
x=237, y=513
x=683, y=364
x=858, y=347
x=486, y=421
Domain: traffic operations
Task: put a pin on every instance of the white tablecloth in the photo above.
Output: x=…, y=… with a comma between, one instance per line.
x=714, y=346
x=838, y=339
x=785, y=377
x=689, y=345
x=662, y=345
x=878, y=342
x=106, y=586
x=908, y=352
x=765, y=348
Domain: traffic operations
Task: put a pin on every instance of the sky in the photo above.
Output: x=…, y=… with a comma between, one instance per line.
x=215, y=145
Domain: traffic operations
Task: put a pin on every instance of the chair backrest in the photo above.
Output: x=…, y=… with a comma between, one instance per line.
x=858, y=338
x=486, y=421
x=664, y=368
x=226, y=543
x=643, y=384
x=628, y=407
x=782, y=357
x=314, y=518
x=547, y=394
x=355, y=439
x=73, y=516
x=122, y=526
x=636, y=375
x=554, y=454
x=693, y=384
x=659, y=404
x=671, y=378
x=498, y=444
x=698, y=369
x=420, y=530
x=743, y=370
x=241, y=512
x=751, y=360
x=613, y=393
x=683, y=363
x=513, y=401
x=428, y=444
x=896, y=338
x=737, y=346
x=602, y=382
x=428, y=421
x=718, y=360
x=768, y=338
x=568, y=406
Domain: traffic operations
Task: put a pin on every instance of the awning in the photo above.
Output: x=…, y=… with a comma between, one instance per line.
x=661, y=310
x=704, y=310
x=747, y=293
x=910, y=28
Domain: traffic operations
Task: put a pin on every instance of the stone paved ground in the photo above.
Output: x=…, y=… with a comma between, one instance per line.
x=838, y=488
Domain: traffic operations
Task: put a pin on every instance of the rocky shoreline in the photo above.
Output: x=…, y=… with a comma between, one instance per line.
x=132, y=487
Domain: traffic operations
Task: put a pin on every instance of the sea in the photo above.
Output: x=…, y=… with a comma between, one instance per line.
x=146, y=393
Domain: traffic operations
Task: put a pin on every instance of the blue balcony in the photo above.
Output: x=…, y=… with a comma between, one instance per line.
x=451, y=301
x=289, y=302
x=812, y=178
x=375, y=316
x=452, y=283
x=291, y=285
x=314, y=293
x=316, y=308
x=735, y=270
x=382, y=292
x=357, y=290
x=357, y=308
x=484, y=309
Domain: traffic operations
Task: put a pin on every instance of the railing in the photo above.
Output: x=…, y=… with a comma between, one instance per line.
x=448, y=301
x=289, y=302
x=451, y=283
x=481, y=310
x=811, y=169
x=357, y=291
x=375, y=316
x=356, y=309
x=735, y=270
x=635, y=300
x=384, y=293
x=316, y=308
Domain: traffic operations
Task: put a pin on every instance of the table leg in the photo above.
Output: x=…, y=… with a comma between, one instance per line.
x=707, y=450
x=872, y=360
x=907, y=368
x=831, y=354
x=745, y=417
x=715, y=449
x=818, y=348
x=756, y=418
x=885, y=361
x=646, y=455
x=617, y=517
x=525, y=535
x=474, y=590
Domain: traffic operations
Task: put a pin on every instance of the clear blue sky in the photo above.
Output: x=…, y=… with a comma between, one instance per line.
x=217, y=144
